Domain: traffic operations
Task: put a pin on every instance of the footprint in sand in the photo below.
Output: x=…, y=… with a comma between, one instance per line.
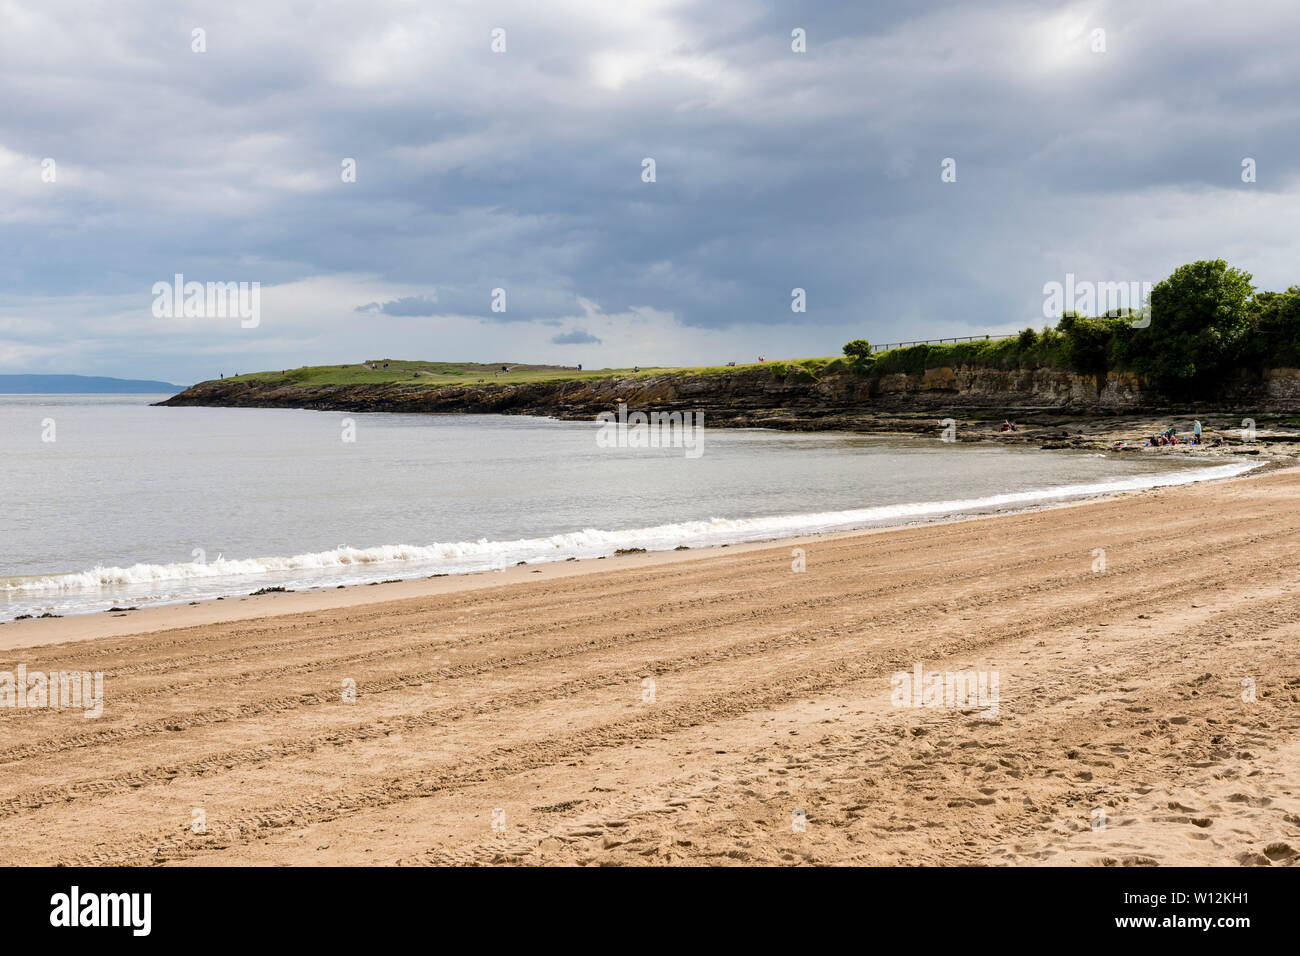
x=1280, y=852
x=1249, y=800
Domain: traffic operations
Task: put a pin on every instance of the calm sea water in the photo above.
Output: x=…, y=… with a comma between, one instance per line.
x=133, y=504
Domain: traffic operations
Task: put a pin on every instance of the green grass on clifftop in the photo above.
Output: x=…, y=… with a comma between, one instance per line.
x=473, y=373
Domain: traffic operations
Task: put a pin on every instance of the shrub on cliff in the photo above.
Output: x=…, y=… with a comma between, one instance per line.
x=1093, y=346
x=859, y=354
x=911, y=360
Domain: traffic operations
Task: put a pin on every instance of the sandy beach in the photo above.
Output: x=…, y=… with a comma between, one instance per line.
x=706, y=708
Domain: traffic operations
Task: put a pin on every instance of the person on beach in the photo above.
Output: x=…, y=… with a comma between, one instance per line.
x=1196, y=432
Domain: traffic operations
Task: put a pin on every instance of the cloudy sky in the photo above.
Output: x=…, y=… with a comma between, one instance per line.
x=1104, y=139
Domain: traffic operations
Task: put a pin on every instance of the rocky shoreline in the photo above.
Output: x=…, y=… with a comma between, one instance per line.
x=1051, y=407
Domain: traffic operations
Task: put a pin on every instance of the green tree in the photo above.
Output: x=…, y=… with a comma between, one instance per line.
x=1200, y=319
x=858, y=352
x=1275, y=328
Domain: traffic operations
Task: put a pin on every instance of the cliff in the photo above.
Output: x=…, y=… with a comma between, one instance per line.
x=761, y=397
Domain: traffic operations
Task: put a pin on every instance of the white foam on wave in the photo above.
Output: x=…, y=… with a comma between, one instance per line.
x=468, y=556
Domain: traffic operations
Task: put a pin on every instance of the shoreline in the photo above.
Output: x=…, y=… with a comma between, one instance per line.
x=679, y=708
x=94, y=625
x=1187, y=457
x=1049, y=429
x=1091, y=435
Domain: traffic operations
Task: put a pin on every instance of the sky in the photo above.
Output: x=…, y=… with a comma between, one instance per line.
x=469, y=180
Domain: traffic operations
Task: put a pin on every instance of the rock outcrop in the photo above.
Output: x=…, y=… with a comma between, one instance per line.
x=758, y=397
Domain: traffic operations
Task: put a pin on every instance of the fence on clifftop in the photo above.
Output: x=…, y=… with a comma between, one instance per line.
x=954, y=339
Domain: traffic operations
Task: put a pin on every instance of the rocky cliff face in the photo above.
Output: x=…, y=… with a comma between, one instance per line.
x=756, y=397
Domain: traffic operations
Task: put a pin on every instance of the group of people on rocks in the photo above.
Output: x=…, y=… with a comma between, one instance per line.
x=1170, y=436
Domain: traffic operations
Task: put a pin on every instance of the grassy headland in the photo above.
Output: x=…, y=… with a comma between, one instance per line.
x=1207, y=346
x=408, y=372
x=1205, y=326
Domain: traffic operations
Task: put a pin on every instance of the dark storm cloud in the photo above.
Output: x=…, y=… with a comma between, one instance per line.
x=522, y=171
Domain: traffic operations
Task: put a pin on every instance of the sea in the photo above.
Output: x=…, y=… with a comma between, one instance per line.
x=110, y=501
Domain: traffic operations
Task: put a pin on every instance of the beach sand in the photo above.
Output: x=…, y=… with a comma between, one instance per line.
x=507, y=718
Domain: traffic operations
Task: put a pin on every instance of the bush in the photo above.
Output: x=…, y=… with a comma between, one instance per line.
x=1088, y=342
x=857, y=350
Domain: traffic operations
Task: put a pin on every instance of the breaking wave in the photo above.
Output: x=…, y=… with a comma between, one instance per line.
x=344, y=565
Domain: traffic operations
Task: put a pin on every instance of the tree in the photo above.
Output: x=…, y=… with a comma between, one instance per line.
x=1275, y=328
x=1200, y=319
x=858, y=352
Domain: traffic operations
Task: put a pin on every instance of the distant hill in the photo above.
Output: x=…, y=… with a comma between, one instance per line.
x=82, y=385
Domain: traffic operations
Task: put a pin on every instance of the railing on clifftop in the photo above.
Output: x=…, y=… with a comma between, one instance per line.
x=952, y=338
